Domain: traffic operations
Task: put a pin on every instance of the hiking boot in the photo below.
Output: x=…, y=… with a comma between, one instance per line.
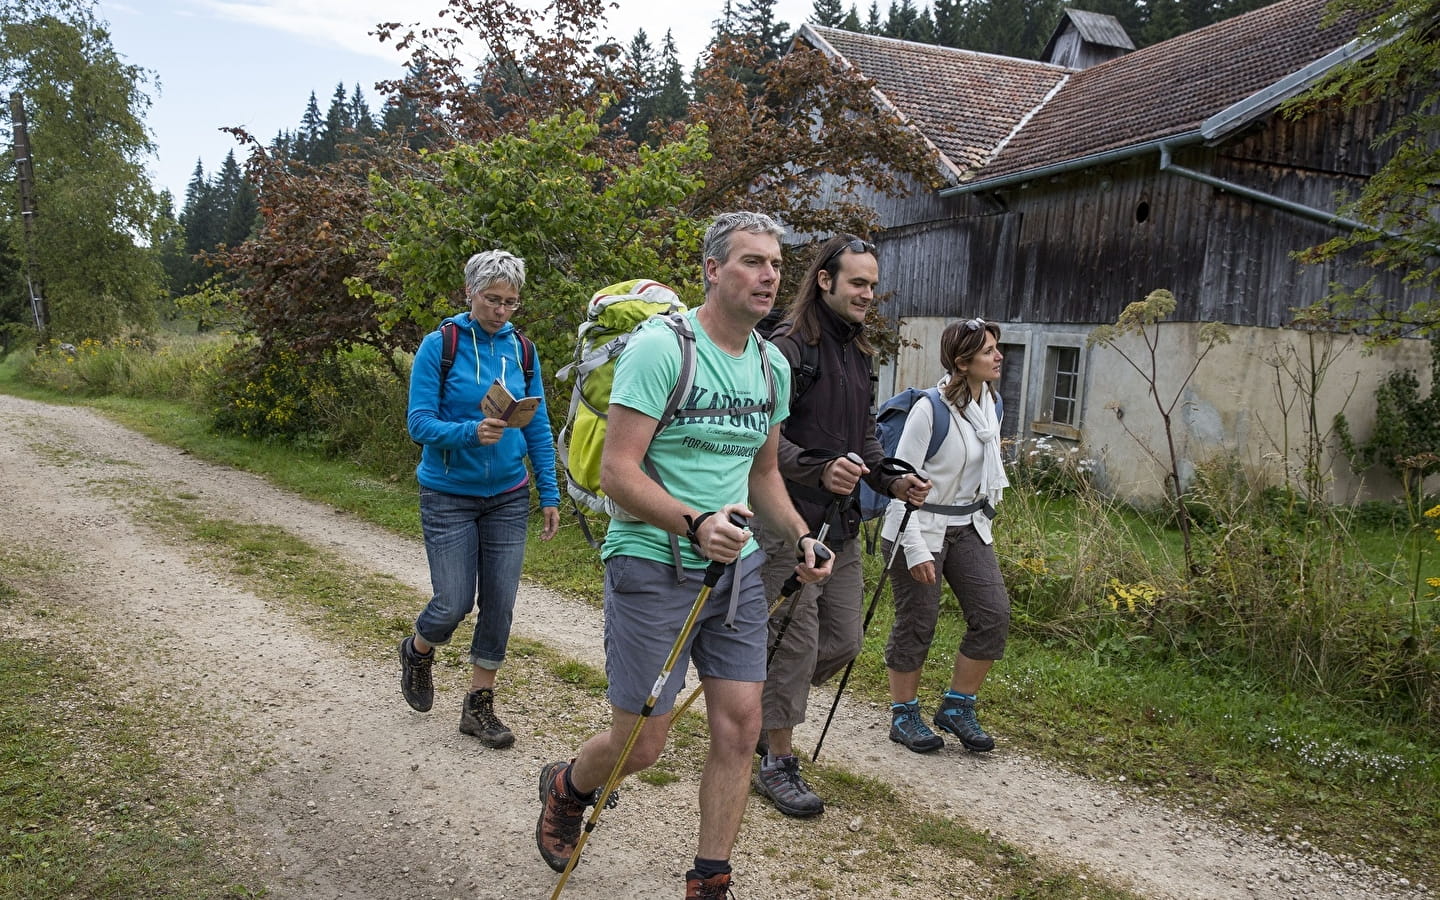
x=561, y=815
x=478, y=718
x=716, y=887
x=906, y=727
x=415, y=681
x=779, y=780
x=957, y=716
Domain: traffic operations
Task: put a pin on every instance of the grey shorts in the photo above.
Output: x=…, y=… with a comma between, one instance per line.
x=970, y=567
x=644, y=612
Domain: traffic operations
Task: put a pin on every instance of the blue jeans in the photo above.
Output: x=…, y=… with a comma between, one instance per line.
x=476, y=548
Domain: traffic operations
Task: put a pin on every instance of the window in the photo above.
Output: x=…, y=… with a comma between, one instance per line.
x=1058, y=410
x=1062, y=383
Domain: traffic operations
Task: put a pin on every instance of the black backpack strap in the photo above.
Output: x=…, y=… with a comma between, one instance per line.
x=806, y=371
x=449, y=344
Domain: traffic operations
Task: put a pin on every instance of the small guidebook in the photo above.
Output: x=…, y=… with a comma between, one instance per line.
x=499, y=403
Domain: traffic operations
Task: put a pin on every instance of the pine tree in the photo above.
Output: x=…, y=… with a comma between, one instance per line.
x=360, y=118
x=952, y=24
x=223, y=189
x=829, y=13
x=642, y=86
x=872, y=19
x=900, y=21
x=852, y=20
x=242, y=216
x=672, y=101
x=336, y=131
x=310, y=132
x=756, y=20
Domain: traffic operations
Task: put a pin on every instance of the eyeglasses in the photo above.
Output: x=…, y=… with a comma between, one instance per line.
x=974, y=324
x=854, y=245
x=500, y=302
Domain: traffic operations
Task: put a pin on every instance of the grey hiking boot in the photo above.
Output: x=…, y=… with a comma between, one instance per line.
x=779, y=780
x=957, y=716
x=415, y=682
x=906, y=727
x=478, y=718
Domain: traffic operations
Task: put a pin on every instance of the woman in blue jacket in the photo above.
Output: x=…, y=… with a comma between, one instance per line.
x=475, y=488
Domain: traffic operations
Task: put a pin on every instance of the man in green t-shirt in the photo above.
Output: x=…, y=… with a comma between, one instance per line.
x=715, y=459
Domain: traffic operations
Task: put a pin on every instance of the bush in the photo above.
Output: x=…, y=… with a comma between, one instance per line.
x=136, y=366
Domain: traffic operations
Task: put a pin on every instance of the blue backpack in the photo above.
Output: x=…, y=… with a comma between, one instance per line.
x=890, y=422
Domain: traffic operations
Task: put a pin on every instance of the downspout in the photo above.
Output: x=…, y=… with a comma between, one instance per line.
x=1322, y=216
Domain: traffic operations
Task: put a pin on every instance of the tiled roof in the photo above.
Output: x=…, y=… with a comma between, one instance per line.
x=971, y=105
x=1170, y=88
x=965, y=103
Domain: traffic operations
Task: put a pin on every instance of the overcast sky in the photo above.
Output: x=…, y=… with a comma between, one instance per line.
x=253, y=63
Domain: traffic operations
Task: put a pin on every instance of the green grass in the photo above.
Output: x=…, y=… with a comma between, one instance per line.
x=91, y=803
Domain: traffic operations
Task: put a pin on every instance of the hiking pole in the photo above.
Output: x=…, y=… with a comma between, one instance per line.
x=830, y=513
x=712, y=575
x=787, y=590
x=904, y=468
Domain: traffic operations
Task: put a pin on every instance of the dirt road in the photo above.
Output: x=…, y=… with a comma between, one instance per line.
x=356, y=796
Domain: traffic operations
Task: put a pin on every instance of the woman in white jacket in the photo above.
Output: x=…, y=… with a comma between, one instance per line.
x=949, y=536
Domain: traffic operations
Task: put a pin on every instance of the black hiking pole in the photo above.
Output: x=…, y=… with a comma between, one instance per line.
x=787, y=590
x=830, y=513
x=712, y=575
x=906, y=469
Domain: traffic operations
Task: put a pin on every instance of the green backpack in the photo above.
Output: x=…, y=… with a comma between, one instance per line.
x=613, y=315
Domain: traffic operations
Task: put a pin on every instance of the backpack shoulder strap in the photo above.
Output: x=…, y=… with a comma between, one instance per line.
x=449, y=344
x=527, y=356
x=806, y=372
x=941, y=422
x=685, y=379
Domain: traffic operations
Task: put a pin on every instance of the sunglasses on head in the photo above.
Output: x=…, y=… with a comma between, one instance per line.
x=854, y=245
x=974, y=324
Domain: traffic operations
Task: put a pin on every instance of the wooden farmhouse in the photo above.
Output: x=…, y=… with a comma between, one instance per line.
x=1076, y=186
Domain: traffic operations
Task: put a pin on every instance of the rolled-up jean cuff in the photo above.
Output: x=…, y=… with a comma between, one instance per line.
x=491, y=664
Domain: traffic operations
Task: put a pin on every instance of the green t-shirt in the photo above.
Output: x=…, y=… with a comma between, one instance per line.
x=703, y=460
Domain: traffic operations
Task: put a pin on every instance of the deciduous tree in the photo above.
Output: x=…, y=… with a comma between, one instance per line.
x=85, y=110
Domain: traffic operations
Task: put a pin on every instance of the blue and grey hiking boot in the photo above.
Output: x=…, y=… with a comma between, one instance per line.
x=415, y=682
x=906, y=727
x=780, y=780
x=957, y=716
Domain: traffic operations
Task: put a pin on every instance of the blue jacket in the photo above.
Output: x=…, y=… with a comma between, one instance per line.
x=452, y=459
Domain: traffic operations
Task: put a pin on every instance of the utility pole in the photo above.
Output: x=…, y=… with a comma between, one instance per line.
x=25, y=185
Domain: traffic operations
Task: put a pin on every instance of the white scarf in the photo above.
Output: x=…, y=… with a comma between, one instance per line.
x=980, y=413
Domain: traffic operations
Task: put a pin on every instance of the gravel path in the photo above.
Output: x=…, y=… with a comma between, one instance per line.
x=359, y=797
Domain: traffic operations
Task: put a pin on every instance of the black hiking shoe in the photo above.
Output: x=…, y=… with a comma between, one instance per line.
x=957, y=716
x=780, y=781
x=477, y=718
x=906, y=727
x=716, y=887
x=415, y=681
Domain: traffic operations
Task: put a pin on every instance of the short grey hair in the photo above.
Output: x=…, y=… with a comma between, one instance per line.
x=489, y=266
x=718, y=237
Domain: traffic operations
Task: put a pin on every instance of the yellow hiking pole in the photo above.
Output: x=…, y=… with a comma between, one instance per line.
x=712, y=575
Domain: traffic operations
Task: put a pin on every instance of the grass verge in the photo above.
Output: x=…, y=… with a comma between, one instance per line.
x=93, y=801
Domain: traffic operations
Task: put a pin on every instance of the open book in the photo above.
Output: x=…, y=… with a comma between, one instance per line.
x=499, y=403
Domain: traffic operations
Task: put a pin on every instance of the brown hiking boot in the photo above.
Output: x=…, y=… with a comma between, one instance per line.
x=716, y=887
x=477, y=718
x=561, y=816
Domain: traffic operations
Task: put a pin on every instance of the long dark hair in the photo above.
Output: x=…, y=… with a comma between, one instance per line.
x=802, y=319
x=959, y=343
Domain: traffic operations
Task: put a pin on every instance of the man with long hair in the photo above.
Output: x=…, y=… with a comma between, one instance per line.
x=831, y=425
